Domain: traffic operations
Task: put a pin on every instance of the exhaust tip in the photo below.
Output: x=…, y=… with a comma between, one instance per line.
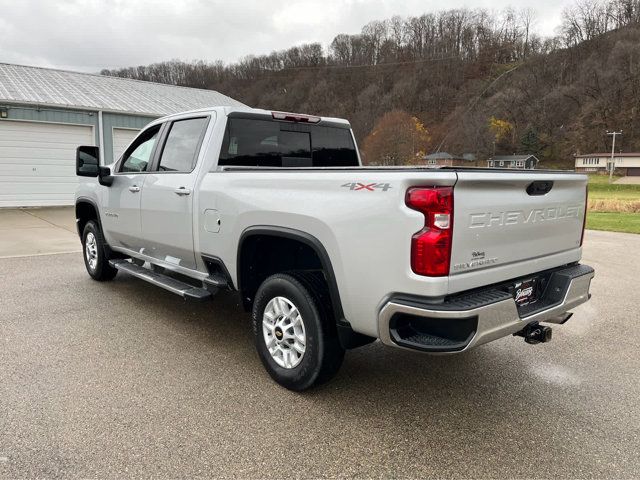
x=560, y=319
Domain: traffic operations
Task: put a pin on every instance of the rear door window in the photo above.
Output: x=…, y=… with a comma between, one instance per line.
x=180, y=152
x=269, y=143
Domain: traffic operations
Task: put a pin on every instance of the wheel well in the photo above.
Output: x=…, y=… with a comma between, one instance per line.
x=263, y=255
x=85, y=211
x=264, y=251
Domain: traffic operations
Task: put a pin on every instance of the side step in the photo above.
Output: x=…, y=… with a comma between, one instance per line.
x=174, y=286
x=217, y=281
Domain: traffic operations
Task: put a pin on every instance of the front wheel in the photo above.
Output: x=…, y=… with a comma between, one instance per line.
x=294, y=333
x=95, y=260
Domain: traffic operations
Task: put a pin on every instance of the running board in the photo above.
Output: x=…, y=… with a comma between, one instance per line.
x=217, y=281
x=164, y=281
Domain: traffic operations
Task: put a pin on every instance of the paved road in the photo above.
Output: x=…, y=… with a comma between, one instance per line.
x=122, y=379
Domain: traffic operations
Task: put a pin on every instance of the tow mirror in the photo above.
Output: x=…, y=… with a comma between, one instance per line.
x=88, y=165
x=87, y=161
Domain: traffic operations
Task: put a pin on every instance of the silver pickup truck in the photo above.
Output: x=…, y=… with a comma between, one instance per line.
x=329, y=255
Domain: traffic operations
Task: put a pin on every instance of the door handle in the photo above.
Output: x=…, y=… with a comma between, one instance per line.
x=182, y=191
x=134, y=188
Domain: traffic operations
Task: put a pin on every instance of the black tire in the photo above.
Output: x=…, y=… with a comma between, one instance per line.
x=101, y=271
x=323, y=354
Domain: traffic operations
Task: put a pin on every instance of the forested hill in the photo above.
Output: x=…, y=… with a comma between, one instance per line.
x=461, y=81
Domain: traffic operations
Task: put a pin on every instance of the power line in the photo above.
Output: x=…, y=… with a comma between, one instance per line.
x=344, y=69
x=340, y=69
x=368, y=65
x=477, y=99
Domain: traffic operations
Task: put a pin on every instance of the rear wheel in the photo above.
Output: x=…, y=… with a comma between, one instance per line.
x=295, y=331
x=95, y=260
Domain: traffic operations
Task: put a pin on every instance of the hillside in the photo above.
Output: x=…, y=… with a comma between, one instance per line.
x=460, y=81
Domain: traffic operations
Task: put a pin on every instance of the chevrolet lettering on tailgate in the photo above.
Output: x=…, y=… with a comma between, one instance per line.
x=516, y=217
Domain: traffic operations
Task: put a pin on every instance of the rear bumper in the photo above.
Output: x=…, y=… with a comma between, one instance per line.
x=471, y=319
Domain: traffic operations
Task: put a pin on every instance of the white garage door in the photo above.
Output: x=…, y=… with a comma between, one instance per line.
x=122, y=137
x=37, y=162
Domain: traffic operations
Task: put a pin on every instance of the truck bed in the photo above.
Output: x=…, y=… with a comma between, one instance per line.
x=411, y=168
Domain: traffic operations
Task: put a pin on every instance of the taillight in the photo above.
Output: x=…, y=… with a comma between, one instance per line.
x=431, y=246
x=586, y=207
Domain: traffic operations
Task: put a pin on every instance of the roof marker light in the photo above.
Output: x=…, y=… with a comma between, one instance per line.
x=295, y=117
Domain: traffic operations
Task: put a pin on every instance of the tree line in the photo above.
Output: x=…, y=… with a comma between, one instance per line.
x=458, y=73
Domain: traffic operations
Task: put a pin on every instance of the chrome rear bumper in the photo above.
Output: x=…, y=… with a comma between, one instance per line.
x=492, y=311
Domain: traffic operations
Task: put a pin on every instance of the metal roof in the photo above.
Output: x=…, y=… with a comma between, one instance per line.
x=513, y=157
x=469, y=157
x=618, y=154
x=439, y=156
x=48, y=87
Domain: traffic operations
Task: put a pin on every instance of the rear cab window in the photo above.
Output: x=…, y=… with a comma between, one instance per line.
x=254, y=142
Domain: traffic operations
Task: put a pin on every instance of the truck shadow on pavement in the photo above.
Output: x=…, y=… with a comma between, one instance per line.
x=393, y=379
x=386, y=400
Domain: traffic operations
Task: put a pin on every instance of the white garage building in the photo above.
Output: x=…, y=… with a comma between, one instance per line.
x=45, y=114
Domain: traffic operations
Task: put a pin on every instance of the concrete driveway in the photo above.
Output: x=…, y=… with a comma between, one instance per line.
x=122, y=379
x=37, y=231
x=628, y=181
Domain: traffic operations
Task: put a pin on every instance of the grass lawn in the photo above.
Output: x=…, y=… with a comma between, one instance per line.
x=605, y=198
x=601, y=189
x=614, y=222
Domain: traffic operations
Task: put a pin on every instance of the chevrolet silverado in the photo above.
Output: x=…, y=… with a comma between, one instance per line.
x=326, y=254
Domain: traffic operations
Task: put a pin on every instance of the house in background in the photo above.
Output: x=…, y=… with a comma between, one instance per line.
x=444, y=159
x=528, y=162
x=45, y=114
x=625, y=163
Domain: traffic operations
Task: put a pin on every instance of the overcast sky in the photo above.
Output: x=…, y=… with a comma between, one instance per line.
x=88, y=35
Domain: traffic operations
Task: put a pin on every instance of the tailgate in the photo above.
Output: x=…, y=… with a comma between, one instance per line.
x=503, y=218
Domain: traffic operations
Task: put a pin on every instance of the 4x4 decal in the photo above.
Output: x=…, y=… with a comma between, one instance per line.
x=371, y=187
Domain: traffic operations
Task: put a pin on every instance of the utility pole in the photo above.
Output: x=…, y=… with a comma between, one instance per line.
x=613, y=150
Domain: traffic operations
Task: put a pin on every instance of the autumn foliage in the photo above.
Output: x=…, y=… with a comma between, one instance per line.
x=396, y=139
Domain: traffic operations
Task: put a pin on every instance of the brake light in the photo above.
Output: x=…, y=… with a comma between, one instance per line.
x=586, y=206
x=431, y=246
x=295, y=117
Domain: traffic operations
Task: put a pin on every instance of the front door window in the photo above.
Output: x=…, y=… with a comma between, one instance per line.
x=138, y=156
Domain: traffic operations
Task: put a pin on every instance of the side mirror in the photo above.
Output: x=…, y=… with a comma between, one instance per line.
x=87, y=161
x=104, y=176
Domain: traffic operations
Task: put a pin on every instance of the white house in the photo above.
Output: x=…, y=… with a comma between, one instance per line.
x=625, y=163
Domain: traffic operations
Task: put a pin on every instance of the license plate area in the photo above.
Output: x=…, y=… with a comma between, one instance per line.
x=525, y=292
x=528, y=292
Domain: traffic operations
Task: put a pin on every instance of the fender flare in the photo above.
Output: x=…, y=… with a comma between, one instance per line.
x=107, y=249
x=95, y=207
x=348, y=337
x=308, y=240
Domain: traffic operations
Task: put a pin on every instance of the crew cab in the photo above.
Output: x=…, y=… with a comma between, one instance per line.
x=326, y=254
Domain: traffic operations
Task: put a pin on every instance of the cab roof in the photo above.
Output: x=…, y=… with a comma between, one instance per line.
x=226, y=111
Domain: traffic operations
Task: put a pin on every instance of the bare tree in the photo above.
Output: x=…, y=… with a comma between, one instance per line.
x=435, y=66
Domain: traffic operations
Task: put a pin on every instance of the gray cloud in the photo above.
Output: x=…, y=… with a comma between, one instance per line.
x=89, y=35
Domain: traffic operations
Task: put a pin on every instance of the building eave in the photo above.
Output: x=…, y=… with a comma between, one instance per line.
x=60, y=106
